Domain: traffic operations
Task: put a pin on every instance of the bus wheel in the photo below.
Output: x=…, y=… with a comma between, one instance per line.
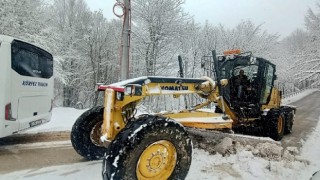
x=86, y=132
x=152, y=147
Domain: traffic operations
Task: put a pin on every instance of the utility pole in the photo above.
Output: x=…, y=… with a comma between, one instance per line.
x=181, y=73
x=125, y=37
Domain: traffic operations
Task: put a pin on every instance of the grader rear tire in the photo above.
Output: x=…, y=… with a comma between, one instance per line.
x=86, y=132
x=289, y=122
x=276, y=124
x=152, y=147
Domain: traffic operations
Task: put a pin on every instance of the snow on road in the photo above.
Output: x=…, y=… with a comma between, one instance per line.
x=242, y=165
x=311, y=149
x=62, y=120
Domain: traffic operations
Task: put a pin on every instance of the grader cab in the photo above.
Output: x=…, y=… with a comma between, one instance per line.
x=255, y=102
x=157, y=146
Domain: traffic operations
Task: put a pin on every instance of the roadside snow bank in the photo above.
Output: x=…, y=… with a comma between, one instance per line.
x=243, y=165
x=233, y=159
x=311, y=150
x=62, y=120
x=297, y=97
x=228, y=146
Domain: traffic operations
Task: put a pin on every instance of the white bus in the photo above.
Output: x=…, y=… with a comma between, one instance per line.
x=26, y=86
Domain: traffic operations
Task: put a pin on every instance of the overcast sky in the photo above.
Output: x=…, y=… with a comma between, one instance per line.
x=277, y=16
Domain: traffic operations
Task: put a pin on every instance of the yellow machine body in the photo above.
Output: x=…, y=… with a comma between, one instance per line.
x=114, y=119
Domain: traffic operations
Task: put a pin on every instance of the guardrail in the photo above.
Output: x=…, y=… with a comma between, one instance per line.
x=285, y=96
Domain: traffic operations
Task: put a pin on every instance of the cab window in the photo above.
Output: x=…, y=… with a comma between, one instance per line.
x=268, y=77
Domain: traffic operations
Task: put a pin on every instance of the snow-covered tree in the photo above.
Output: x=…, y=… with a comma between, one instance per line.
x=246, y=36
x=157, y=24
x=22, y=18
x=101, y=65
x=87, y=53
x=311, y=69
x=71, y=19
x=301, y=55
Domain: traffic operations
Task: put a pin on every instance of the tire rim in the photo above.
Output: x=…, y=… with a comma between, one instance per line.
x=280, y=125
x=157, y=161
x=95, y=135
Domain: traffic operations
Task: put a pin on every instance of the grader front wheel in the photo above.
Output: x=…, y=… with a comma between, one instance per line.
x=157, y=160
x=86, y=132
x=151, y=147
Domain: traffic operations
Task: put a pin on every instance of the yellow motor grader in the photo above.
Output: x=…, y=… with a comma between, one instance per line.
x=157, y=146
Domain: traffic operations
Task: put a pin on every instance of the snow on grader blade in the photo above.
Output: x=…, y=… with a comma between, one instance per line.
x=159, y=146
x=207, y=139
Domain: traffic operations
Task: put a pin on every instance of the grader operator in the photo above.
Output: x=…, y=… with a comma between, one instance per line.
x=157, y=146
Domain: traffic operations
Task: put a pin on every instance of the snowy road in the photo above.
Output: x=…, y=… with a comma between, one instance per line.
x=54, y=149
x=306, y=119
x=36, y=151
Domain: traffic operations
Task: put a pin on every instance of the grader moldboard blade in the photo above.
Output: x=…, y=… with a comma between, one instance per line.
x=208, y=139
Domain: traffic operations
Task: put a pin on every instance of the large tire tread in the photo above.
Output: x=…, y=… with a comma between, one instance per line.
x=80, y=134
x=124, y=152
x=288, y=115
x=271, y=124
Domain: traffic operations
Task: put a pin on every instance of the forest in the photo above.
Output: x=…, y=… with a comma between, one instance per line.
x=85, y=44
